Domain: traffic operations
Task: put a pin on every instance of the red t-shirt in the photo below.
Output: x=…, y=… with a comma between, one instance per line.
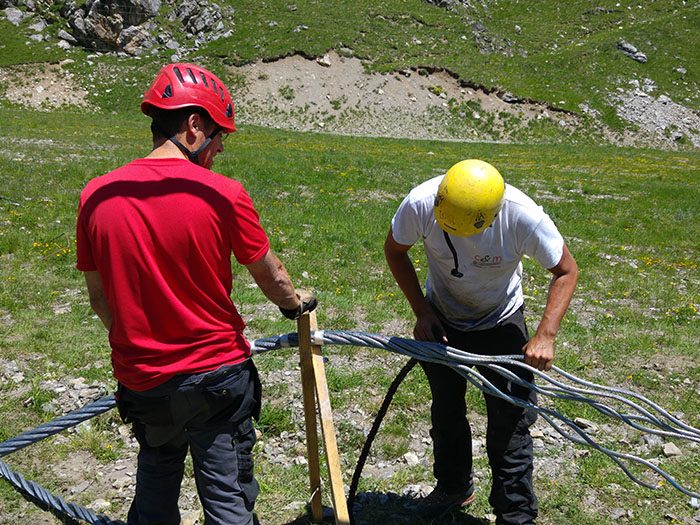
x=161, y=233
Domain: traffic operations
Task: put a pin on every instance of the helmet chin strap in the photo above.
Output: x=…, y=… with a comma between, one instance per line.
x=455, y=271
x=193, y=156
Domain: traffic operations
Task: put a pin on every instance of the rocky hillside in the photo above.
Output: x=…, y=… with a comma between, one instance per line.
x=325, y=84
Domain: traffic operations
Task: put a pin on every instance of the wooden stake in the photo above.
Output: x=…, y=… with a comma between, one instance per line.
x=306, y=325
x=307, y=387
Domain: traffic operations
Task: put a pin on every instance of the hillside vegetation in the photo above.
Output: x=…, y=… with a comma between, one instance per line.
x=568, y=56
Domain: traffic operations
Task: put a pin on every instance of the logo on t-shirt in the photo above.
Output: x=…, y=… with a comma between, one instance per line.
x=487, y=261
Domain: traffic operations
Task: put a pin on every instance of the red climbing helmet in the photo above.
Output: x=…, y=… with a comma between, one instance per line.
x=180, y=85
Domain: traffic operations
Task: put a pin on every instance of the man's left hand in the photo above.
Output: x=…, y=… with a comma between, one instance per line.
x=539, y=352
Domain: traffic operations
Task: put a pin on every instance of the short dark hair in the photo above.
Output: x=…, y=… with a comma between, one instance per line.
x=168, y=122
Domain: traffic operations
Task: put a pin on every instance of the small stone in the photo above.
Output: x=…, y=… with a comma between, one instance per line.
x=100, y=505
x=80, y=487
x=411, y=459
x=616, y=514
x=38, y=27
x=585, y=424
x=324, y=61
x=14, y=15
x=671, y=450
x=65, y=35
x=653, y=440
x=189, y=518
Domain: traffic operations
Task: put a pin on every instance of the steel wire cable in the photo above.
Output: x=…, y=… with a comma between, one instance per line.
x=435, y=352
x=562, y=392
x=576, y=394
x=68, y=513
x=485, y=385
x=463, y=361
x=59, y=424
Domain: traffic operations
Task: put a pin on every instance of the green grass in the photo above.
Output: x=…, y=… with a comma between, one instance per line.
x=629, y=216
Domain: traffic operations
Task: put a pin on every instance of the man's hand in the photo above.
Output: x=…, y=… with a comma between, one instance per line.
x=539, y=352
x=307, y=303
x=429, y=327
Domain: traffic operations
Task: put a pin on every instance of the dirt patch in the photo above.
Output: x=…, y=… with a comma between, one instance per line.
x=42, y=87
x=336, y=94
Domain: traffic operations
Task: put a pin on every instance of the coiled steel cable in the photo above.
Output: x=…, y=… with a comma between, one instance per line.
x=68, y=513
x=647, y=412
x=667, y=425
x=59, y=424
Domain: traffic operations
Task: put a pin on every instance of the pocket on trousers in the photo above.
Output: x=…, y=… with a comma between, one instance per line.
x=245, y=440
x=152, y=411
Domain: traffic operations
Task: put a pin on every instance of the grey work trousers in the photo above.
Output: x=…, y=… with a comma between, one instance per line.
x=211, y=415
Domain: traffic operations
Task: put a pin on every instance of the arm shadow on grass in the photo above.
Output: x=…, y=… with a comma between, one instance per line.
x=378, y=508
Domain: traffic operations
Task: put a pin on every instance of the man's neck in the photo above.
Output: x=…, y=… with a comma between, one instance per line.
x=166, y=150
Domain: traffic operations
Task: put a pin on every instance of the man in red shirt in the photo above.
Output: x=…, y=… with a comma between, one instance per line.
x=154, y=239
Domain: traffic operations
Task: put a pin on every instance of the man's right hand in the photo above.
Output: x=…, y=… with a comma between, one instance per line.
x=429, y=327
x=307, y=303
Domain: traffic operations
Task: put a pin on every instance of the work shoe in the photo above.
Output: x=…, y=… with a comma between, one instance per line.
x=439, y=503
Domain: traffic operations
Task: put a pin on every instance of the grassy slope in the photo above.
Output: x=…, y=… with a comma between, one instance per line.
x=570, y=46
x=628, y=215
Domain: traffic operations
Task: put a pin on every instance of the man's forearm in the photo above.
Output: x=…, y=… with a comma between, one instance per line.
x=273, y=280
x=98, y=300
x=405, y=276
x=404, y=273
x=101, y=308
x=561, y=290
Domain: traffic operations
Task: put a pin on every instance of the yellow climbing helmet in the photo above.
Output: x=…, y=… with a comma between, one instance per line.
x=469, y=198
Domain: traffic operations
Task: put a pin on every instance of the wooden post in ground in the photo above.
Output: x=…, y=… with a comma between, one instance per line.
x=307, y=389
x=314, y=386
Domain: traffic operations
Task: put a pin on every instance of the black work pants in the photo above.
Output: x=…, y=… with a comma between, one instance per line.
x=508, y=441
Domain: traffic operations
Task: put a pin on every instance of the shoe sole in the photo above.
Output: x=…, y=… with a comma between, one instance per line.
x=470, y=499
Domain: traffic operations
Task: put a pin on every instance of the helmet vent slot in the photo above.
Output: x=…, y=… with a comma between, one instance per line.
x=204, y=79
x=178, y=74
x=192, y=75
x=168, y=91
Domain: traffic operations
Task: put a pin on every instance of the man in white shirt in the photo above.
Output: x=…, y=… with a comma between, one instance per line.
x=475, y=231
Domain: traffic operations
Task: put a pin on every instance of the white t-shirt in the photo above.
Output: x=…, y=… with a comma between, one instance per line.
x=490, y=289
